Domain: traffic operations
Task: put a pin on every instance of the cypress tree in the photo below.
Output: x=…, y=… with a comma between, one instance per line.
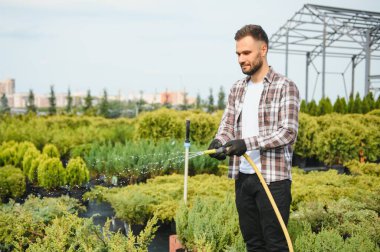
x=4, y=108
x=104, y=105
x=377, y=104
x=350, y=105
x=344, y=105
x=221, y=97
x=357, y=108
x=31, y=107
x=303, y=107
x=52, y=102
x=198, y=101
x=69, y=99
x=210, y=106
x=324, y=106
x=312, y=108
x=87, y=102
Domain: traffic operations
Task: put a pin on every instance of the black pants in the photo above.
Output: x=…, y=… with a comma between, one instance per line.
x=257, y=219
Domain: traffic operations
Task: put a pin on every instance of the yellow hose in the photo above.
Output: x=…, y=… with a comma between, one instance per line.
x=273, y=203
x=269, y=194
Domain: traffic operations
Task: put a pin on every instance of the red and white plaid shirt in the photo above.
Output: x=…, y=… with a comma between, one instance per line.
x=278, y=125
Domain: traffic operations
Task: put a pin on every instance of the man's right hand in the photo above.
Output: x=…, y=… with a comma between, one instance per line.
x=215, y=144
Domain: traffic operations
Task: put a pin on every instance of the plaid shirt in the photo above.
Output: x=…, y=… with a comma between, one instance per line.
x=278, y=125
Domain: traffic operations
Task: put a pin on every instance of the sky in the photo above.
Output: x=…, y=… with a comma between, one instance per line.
x=130, y=46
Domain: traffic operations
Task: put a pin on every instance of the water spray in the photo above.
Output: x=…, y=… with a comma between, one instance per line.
x=267, y=191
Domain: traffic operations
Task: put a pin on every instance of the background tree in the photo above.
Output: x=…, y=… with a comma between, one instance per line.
x=221, y=99
x=30, y=106
x=88, y=102
x=377, y=104
x=198, y=101
x=303, y=106
x=104, y=105
x=324, y=106
x=4, y=105
x=357, y=108
x=369, y=101
x=312, y=108
x=340, y=105
x=69, y=99
x=350, y=104
x=52, y=102
x=210, y=105
x=185, y=101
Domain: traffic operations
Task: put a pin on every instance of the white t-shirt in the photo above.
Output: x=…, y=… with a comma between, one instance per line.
x=250, y=123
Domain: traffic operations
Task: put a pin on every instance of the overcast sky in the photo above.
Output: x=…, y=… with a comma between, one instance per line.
x=146, y=45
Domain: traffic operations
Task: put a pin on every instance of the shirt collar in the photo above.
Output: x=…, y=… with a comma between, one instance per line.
x=268, y=77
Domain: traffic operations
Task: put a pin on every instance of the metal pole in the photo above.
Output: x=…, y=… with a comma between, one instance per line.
x=187, y=147
x=287, y=52
x=353, y=75
x=324, y=58
x=307, y=76
x=367, y=61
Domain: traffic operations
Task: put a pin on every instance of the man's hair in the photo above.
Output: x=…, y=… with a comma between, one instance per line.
x=255, y=31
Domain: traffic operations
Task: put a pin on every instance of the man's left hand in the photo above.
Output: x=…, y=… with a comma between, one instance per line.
x=235, y=147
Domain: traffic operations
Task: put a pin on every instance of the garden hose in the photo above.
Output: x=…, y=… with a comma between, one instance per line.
x=264, y=184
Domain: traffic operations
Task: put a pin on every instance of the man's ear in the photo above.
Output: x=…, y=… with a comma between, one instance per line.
x=264, y=49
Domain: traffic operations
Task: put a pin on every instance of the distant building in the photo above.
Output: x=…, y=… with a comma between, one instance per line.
x=7, y=87
x=173, y=98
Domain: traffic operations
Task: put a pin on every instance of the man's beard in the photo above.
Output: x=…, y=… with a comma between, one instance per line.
x=256, y=67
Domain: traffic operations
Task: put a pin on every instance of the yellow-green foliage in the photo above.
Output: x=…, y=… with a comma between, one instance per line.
x=357, y=168
x=12, y=182
x=161, y=196
x=52, y=224
x=328, y=186
x=76, y=172
x=35, y=163
x=30, y=155
x=51, y=151
x=166, y=123
x=51, y=173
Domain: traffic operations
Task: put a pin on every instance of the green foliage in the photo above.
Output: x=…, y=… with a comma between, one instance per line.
x=51, y=173
x=76, y=172
x=29, y=157
x=52, y=102
x=221, y=99
x=375, y=112
x=35, y=163
x=357, y=168
x=340, y=106
x=160, y=196
x=51, y=151
x=4, y=106
x=210, y=225
x=210, y=104
x=312, y=108
x=308, y=129
x=303, y=106
x=357, y=106
x=324, y=106
x=12, y=182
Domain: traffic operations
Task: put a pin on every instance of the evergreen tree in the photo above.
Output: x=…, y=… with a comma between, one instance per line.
x=88, y=102
x=303, y=107
x=184, y=102
x=357, y=108
x=30, y=106
x=4, y=108
x=210, y=105
x=344, y=105
x=221, y=98
x=350, y=105
x=366, y=107
x=324, y=106
x=69, y=99
x=370, y=100
x=312, y=108
x=104, y=104
x=52, y=102
x=198, y=101
x=377, y=104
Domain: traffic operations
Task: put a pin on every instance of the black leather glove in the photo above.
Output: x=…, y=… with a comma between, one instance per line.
x=215, y=144
x=235, y=147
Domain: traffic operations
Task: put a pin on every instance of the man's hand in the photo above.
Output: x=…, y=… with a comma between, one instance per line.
x=235, y=147
x=215, y=144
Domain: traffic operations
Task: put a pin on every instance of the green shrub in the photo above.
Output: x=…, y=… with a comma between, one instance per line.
x=35, y=163
x=50, y=173
x=160, y=196
x=210, y=225
x=375, y=112
x=8, y=153
x=51, y=151
x=308, y=129
x=76, y=172
x=30, y=155
x=357, y=168
x=12, y=182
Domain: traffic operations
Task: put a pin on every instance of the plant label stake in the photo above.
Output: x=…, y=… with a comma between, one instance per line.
x=187, y=147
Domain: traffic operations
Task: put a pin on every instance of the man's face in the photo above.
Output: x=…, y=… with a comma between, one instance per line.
x=251, y=54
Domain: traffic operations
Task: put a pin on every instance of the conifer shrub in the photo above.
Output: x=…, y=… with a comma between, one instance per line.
x=12, y=182
x=51, y=151
x=76, y=172
x=35, y=163
x=29, y=157
x=51, y=173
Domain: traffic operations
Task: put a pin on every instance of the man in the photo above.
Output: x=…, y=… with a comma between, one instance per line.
x=261, y=118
